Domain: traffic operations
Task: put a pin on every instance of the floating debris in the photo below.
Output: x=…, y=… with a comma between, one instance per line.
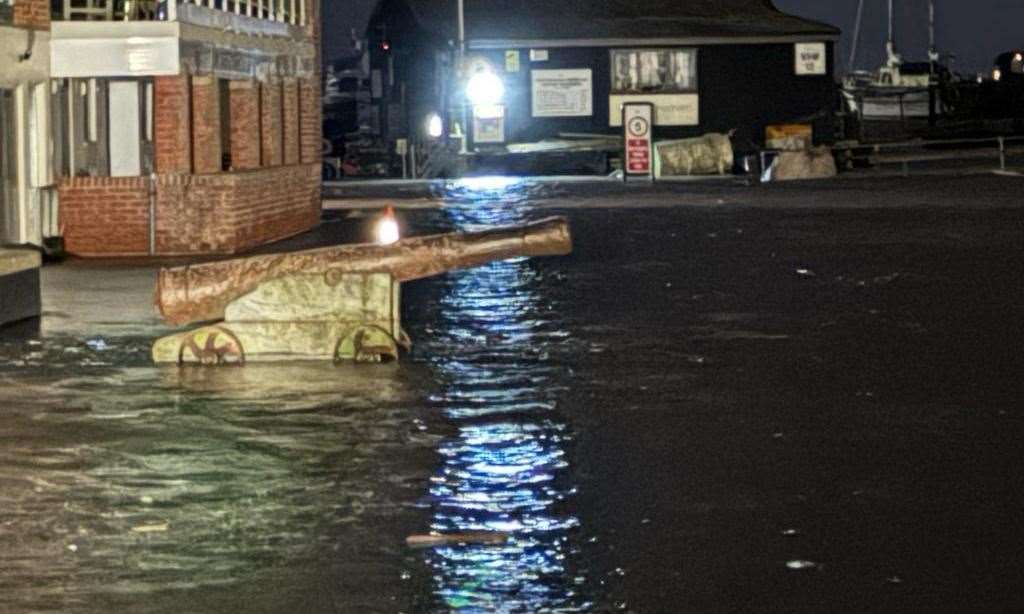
x=791, y=532
x=805, y=272
x=475, y=537
x=98, y=344
x=799, y=564
x=155, y=527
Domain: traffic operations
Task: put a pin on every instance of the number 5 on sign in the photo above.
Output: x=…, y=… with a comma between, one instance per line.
x=638, y=126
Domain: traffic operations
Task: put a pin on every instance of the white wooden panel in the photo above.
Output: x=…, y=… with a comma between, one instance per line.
x=125, y=146
x=114, y=57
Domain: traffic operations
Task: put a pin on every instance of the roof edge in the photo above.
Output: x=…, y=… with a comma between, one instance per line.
x=484, y=43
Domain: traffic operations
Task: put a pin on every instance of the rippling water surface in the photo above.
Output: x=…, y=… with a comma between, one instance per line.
x=699, y=410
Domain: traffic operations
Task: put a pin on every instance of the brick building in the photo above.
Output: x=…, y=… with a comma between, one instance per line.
x=27, y=181
x=183, y=128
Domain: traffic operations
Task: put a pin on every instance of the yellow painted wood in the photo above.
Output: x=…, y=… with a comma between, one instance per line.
x=303, y=298
x=301, y=317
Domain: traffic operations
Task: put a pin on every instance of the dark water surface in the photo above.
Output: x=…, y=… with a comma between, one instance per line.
x=701, y=409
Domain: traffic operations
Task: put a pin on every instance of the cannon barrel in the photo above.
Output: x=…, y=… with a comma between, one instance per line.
x=202, y=292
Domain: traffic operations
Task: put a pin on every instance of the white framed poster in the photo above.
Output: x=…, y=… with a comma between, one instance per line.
x=489, y=124
x=654, y=71
x=562, y=93
x=669, y=109
x=811, y=59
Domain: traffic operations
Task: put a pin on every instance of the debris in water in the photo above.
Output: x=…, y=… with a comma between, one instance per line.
x=805, y=272
x=791, y=532
x=98, y=344
x=798, y=564
x=155, y=527
x=895, y=580
x=405, y=575
x=73, y=547
x=474, y=537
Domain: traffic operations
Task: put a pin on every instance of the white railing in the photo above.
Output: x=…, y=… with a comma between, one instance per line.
x=282, y=11
x=908, y=152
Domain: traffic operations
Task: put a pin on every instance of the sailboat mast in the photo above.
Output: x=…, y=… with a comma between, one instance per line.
x=856, y=35
x=933, y=52
x=890, y=45
x=892, y=27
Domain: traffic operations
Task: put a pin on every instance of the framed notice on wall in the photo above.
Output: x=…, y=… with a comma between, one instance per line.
x=811, y=59
x=562, y=93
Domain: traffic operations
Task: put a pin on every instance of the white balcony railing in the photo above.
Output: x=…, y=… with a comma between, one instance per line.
x=281, y=11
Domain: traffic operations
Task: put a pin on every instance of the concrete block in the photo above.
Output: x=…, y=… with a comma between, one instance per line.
x=19, y=285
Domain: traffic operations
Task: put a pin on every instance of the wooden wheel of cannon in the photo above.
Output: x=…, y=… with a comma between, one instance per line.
x=367, y=343
x=211, y=345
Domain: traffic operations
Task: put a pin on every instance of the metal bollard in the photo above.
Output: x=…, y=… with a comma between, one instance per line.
x=1002, y=153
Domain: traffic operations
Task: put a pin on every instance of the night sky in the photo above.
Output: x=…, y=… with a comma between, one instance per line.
x=975, y=31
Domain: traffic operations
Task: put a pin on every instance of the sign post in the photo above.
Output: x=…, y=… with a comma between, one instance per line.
x=638, y=139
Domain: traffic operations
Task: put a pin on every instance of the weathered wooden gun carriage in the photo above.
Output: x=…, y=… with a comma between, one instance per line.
x=336, y=303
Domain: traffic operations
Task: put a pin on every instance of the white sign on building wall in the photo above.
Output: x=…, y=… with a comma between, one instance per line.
x=669, y=109
x=811, y=59
x=562, y=93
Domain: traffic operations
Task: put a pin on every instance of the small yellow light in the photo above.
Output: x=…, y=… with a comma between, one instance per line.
x=387, y=228
x=997, y=75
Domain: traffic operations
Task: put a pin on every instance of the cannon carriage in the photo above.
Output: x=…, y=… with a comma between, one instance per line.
x=338, y=303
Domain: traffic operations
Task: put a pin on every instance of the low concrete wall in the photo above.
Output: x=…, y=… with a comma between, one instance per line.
x=19, y=285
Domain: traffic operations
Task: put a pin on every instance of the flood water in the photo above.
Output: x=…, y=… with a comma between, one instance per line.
x=701, y=409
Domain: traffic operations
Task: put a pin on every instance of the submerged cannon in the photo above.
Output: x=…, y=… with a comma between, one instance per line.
x=334, y=303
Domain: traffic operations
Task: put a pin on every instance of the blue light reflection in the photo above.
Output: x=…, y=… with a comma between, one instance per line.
x=506, y=470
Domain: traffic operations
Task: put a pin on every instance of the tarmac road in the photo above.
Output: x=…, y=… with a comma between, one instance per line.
x=804, y=398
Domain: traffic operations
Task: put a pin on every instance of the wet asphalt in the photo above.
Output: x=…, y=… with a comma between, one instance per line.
x=802, y=399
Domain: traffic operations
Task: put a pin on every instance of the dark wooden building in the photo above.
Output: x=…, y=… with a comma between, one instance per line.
x=552, y=67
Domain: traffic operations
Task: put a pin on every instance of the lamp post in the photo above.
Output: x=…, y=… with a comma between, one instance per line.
x=463, y=147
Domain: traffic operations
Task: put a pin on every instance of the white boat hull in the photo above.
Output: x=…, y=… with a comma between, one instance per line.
x=880, y=105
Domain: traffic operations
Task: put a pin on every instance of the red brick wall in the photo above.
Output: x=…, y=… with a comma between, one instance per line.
x=106, y=216
x=310, y=144
x=313, y=23
x=232, y=212
x=206, y=146
x=245, y=125
x=171, y=124
x=32, y=14
x=290, y=128
x=222, y=213
x=270, y=123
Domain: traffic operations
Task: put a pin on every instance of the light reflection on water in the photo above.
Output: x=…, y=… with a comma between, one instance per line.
x=506, y=470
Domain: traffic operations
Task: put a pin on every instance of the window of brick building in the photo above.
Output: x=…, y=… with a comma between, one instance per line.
x=224, y=105
x=108, y=127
